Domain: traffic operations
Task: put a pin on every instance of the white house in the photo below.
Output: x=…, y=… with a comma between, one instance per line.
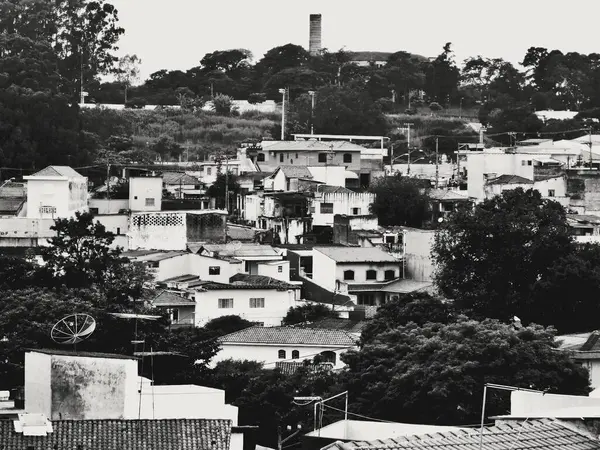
x=145, y=193
x=331, y=200
x=252, y=255
x=272, y=344
x=180, y=184
x=353, y=265
x=285, y=178
x=550, y=187
x=56, y=192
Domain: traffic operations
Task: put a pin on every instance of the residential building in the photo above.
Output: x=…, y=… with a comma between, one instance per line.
x=331, y=200
x=547, y=434
x=417, y=263
x=584, y=348
x=584, y=227
x=444, y=202
x=174, y=230
x=56, y=192
x=269, y=345
x=286, y=177
x=311, y=153
x=180, y=307
x=145, y=194
x=552, y=187
x=251, y=255
x=583, y=189
x=12, y=199
x=286, y=214
x=182, y=185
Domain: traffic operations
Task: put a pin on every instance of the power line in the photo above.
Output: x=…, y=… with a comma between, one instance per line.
x=359, y=415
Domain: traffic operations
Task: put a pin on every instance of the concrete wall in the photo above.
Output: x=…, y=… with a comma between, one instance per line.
x=38, y=395
x=107, y=206
x=252, y=209
x=280, y=270
x=268, y=354
x=277, y=304
x=200, y=265
x=206, y=227
x=531, y=404
x=331, y=175
x=417, y=254
x=324, y=271
x=345, y=228
x=583, y=188
x=158, y=231
x=66, y=195
x=343, y=203
x=143, y=188
x=115, y=223
x=360, y=271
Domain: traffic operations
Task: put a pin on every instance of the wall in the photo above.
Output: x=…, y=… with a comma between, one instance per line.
x=331, y=175
x=206, y=227
x=343, y=203
x=558, y=184
x=158, y=231
x=107, y=206
x=21, y=227
x=531, y=404
x=417, y=254
x=199, y=265
x=309, y=158
x=252, y=208
x=271, y=269
x=360, y=271
x=47, y=192
x=38, y=396
x=142, y=188
x=345, y=228
x=277, y=304
x=498, y=189
x=480, y=163
x=268, y=354
x=115, y=223
x=324, y=271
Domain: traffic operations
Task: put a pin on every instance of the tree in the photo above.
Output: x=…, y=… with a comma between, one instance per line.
x=128, y=71
x=233, y=376
x=435, y=373
x=227, y=61
x=483, y=274
x=435, y=107
x=226, y=324
x=280, y=58
x=307, y=313
x=442, y=77
x=17, y=273
x=399, y=201
x=223, y=105
x=220, y=186
x=419, y=308
x=256, y=97
x=166, y=147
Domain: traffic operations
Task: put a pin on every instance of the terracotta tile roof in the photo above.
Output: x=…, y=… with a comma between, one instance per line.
x=179, y=178
x=11, y=205
x=58, y=171
x=509, y=179
x=539, y=434
x=349, y=325
x=356, y=255
x=290, y=335
x=170, y=298
x=10, y=189
x=260, y=281
x=240, y=250
x=444, y=195
x=291, y=367
x=294, y=171
x=328, y=189
x=163, y=434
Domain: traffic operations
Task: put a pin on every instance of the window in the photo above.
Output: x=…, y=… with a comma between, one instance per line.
x=118, y=230
x=260, y=157
x=214, y=270
x=209, y=171
x=322, y=157
x=551, y=192
x=523, y=162
x=259, y=324
x=295, y=354
x=347, y=157
x=371, y=274
x=93, y=210
x=257, y=303
x=225, y=303
x=366, y=299
x=247, y=265
x=281, y=157
x=326, y=208
x=281, y=354
x=528, y=162
x=149, y=202
x=328, y=356
x=174, y=315
x=348, y=274
x=390, y=274
x=356, y=211
x=291, y=161
x=280, y=269
x=296, y=155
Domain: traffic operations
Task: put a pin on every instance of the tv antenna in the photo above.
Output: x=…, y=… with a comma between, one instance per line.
x=73, y=329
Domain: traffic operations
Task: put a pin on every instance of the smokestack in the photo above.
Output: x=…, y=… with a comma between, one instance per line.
x=314, y=45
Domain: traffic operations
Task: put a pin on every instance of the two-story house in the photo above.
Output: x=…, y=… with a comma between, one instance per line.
x=328, y=201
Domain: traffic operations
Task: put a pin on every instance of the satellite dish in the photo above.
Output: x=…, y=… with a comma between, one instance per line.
x=73, y=329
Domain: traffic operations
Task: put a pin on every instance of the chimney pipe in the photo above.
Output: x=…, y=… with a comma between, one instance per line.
x=314, y=45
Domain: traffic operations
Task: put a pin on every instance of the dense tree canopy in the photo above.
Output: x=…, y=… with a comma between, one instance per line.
x=307, y=313
x=399, y=201
x=489, y=258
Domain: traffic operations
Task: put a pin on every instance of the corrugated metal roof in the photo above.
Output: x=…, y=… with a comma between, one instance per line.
x=164, y=255
x=538, y=434
x=290, y=335
x=58, y=171
x=11, y=205
x=311, y=145
x=356, y=254
x=237, y=250
x=114, y=434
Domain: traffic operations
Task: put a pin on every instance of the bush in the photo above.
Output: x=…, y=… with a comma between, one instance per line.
x=135, y=103
x=386, y=105
x=257, y=97
x=222, y=105
x=435, y=107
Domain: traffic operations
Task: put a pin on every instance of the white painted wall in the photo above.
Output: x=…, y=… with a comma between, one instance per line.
x=38, y=395
x=66, y=195
x=324, y=270
x=277, y=304
x=253, y=208
x=280, y=270
x=343, y=203
x=360, y=271
x=268, y=354
x=498, y=163
x=108, y=206
x=417, y=253
x=331, y=175
x=142, y=188
x=115, y=223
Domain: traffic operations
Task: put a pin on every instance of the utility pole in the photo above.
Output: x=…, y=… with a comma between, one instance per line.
x=458, y=165
x=590, y=144
x=437, y=166
x=283, y=91
x=312, y=111
x=108, y=180
x=407, y=127
x=227, y=183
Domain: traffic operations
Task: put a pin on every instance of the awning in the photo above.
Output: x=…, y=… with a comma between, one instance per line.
x=349, y=175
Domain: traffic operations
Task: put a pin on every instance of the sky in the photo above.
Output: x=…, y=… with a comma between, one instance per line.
x=176, y=34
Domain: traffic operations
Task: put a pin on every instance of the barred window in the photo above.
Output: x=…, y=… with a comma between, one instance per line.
x=257, y=303
x=225, y=303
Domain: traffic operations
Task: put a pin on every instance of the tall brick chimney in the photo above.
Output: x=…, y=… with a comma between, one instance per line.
x=314, y=45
